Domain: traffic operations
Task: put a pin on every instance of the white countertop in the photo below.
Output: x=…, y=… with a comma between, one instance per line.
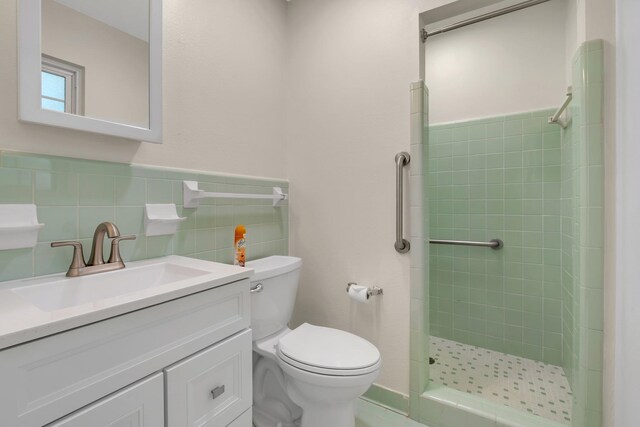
x=22, y=321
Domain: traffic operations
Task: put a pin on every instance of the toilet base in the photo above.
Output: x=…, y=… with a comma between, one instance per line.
x=271, y=405
x=264, y=419
x=342, y=416
x=325, y=400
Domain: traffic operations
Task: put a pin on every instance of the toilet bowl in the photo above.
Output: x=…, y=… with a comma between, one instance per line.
x=309, y=376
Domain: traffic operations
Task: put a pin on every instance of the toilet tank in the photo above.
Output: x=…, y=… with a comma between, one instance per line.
x=272, y=306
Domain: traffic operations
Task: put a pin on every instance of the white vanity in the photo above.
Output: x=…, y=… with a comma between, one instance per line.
x=164, y=342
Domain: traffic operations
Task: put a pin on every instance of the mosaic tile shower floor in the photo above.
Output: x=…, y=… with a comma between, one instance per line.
x=520, y=383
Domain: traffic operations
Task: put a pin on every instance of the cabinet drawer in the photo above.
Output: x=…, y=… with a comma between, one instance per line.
x=46, y=379
x=139, y=405
x=211, y=388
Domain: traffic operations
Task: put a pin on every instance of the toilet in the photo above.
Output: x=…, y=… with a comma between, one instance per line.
x=309, y=376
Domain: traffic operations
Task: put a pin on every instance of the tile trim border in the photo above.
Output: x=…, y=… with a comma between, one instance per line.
x=442, y=406
x=387, y=398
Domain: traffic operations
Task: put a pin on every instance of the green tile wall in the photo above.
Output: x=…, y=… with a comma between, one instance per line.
x=418, y=227
x=568, y=215
x=73, y=196
x=497, y=178
x=583, y=241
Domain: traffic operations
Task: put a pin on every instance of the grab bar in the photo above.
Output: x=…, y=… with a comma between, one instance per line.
x=493, y=243
x=402, y=245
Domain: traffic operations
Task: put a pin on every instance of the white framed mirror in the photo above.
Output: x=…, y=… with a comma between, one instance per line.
x=92, y=65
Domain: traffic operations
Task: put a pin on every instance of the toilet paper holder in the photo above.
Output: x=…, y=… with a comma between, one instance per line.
x=370, y=291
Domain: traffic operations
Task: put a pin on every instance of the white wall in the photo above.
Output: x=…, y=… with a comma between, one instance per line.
x=571, y=38
x=505, y=65
x=627, y=317
x=224, y=64
x=350, y=65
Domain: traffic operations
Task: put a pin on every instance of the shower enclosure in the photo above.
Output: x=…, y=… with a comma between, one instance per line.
x=507, y=249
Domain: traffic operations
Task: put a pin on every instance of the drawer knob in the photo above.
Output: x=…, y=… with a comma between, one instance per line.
x=256, y=288
x=216, y=392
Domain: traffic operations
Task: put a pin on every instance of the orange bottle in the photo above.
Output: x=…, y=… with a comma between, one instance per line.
x=240, y=246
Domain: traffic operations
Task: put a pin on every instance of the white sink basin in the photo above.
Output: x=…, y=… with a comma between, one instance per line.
x=40, y=306
x=72, y=291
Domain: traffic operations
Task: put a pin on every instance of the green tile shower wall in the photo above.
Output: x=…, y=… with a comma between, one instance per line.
x=497, y=178
x=582, y=246
x=568, y=215
x=73, y=196
x=419, y=324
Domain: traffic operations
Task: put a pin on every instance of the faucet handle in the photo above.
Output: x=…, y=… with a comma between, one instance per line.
x=115, y=248
x=77, y=262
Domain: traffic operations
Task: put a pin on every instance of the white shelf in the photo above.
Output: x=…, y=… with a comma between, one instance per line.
x=19, y=226
x=161, y=219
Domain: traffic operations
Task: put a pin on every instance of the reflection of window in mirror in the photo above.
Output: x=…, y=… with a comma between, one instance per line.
x=62, y=86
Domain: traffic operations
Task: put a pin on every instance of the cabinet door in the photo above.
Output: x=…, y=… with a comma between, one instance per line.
x=213, y=387
x=139, y=405
x=243, y=420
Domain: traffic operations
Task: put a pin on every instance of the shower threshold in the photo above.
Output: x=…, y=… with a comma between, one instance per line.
x=523, y=384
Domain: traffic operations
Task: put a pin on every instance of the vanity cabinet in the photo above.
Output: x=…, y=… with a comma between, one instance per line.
x=214, y=384
x=139, y=405
x=184, y=362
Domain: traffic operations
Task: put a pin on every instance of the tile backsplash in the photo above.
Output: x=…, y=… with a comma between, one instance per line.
x=73, y=196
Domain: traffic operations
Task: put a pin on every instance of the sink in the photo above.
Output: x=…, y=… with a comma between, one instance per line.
x=72, y=291
x=36, y=307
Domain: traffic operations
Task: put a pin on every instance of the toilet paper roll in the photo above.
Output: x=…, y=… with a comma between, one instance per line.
x=358, y=293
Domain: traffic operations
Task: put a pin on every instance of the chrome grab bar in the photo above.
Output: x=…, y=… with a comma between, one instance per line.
x=493, y=243
x=402, y=245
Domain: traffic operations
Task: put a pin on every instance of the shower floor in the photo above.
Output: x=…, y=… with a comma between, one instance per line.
x=520, y=383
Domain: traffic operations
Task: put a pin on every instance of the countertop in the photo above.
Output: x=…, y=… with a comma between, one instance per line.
x=21, y=321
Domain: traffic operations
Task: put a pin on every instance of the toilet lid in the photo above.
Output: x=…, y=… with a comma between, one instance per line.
x=328, y=350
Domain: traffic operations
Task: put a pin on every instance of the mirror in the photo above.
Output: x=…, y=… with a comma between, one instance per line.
x=95, y=59
x=92, y=65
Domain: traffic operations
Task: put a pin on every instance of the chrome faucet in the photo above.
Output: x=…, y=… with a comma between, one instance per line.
x=96, y=262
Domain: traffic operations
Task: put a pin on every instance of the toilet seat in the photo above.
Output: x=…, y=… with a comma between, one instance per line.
x=328, y=351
